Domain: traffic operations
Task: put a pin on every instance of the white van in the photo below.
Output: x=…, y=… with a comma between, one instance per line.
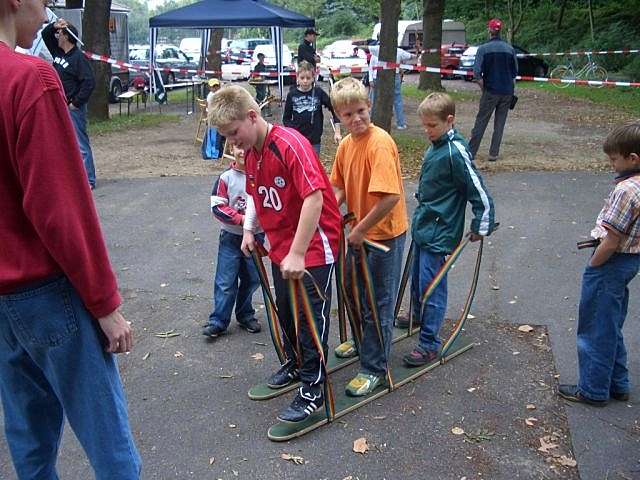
x=191, y=46
x=411, y=30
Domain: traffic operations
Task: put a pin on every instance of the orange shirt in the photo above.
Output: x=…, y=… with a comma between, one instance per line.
x=365, y=167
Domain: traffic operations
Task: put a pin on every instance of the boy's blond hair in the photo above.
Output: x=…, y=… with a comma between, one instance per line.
x=305, y=66
x=348, y=91
x=625, y=140
x=229, y=104
x=437, y=104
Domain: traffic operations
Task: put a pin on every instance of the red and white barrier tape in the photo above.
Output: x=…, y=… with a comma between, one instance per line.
x=351, y=70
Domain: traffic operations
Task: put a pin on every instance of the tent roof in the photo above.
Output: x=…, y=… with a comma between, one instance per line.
x=231, y=13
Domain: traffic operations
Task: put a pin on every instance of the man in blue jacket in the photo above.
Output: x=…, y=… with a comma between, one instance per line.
x=78, y=83
x=495, y=70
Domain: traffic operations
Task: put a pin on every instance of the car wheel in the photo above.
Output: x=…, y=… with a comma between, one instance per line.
x=115, y=91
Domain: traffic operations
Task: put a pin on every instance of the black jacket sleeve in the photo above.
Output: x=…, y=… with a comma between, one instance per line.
x=287, y=114
x=326, y=101
x=85, y=79
x=49, y=38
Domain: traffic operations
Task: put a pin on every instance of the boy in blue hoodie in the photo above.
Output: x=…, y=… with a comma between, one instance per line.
x=448, y=181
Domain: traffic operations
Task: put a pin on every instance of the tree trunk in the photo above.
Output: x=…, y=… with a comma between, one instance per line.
x=385, y=79
x=563, y=5
x=74, y=4
x=214, y=59
x=432, y=40
x=590, y=7
x=515, y=19
x=95, y=29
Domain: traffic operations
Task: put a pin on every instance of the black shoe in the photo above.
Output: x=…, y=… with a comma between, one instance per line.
x=419, y=357
x=571, y=393
x=301, y=407
x=620, y=396
x=252, y=325
x=213, y=331
x=283, y=377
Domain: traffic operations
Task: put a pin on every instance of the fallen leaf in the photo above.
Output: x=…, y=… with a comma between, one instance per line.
x=211, y=460
x=516, y=353
x=566, y=461
x=525, y=328
x=546, y=444
x=457, y=431
x=292, y=458
x=257, y=356
x=146, y=355
x=479, y=435
x=531, y=421
x=495, y=287
x=531, y=406
x=471, y=317
x=471, y=390
x=163, y=285
x=360, y=445
x=512, y=302
x=381, y=417
x=260, y=343
x=232, y=425
x=178, y=354
x=225, y=376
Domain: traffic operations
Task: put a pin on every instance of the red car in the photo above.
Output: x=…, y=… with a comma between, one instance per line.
x=450, y=54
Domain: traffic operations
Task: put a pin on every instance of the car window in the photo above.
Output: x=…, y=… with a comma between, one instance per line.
x=140, y=54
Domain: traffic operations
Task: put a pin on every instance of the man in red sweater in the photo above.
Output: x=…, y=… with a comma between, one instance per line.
x=59, y=320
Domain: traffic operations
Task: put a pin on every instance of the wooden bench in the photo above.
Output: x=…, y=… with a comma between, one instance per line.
x=129, y=96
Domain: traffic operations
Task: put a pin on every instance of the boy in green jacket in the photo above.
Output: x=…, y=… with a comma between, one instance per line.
x=447, y=181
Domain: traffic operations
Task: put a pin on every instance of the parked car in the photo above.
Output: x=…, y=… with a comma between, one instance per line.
x=241, y=50
x=527, y=66
x=341, y=54
x=270, y=61
x=168, y=56
x=450, y=54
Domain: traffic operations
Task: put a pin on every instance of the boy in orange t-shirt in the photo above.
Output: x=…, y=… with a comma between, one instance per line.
x=366, y=175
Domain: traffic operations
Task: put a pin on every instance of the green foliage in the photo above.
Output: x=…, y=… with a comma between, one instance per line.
x=616, y=25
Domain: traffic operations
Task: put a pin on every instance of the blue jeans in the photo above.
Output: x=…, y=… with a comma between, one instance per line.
x=602, y=356
x=385, y=270
x=398, y=107
x=316, y=147
x=52, y=364
x=235, y=282
x=79, y=119
x=425, y=267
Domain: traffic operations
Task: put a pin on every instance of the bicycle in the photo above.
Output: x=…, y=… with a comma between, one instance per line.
x=590, y=71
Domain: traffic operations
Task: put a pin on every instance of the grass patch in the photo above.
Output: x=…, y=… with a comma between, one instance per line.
x=412, y=91
x=122, y=123
x=625, y=98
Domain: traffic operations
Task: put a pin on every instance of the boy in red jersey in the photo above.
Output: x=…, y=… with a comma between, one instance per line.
x=290, y=195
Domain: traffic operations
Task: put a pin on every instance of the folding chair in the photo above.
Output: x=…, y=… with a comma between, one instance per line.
x=201, y=127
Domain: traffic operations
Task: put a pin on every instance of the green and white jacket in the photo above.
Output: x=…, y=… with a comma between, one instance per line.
x=448, y=180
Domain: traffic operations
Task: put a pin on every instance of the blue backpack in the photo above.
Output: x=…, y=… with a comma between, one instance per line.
x=211, y=145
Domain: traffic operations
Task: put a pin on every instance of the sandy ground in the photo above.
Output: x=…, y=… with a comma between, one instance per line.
x=544, y=132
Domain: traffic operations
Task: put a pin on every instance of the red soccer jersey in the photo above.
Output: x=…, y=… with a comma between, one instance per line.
x=279, y=179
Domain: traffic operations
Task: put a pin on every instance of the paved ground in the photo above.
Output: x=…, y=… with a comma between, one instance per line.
x=187, y=396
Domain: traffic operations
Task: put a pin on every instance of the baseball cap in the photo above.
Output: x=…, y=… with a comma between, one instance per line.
x=309, y=31
x=495, y=24
x=213, y=82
